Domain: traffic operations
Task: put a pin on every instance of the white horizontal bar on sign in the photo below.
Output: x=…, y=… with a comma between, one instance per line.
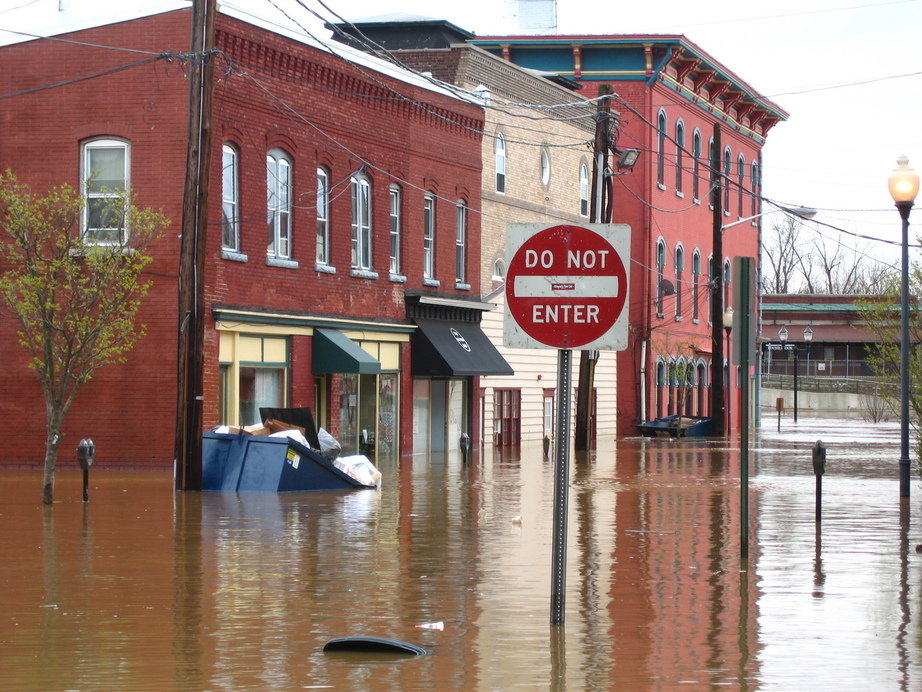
x=576, y=287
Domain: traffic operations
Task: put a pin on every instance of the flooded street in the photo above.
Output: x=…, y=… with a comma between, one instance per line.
x=144, y=588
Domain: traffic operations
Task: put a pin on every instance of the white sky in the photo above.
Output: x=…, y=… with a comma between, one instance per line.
x=839, y=68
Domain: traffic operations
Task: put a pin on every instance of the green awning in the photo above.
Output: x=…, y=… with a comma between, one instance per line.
x=336, y=352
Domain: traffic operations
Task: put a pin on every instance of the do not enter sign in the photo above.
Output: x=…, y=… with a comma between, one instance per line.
x=566, y=286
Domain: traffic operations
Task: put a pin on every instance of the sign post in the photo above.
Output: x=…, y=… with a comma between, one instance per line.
x=566, y=288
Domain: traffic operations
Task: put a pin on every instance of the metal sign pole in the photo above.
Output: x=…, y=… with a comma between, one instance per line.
x=561, y=487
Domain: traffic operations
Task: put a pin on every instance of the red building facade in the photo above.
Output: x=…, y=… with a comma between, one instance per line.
x=674, y=99
x=338, y=241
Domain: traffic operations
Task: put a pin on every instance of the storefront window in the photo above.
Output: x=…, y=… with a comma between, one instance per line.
x=260, y=387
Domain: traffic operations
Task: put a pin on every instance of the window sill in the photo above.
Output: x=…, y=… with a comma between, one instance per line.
x=679, y=318
x=397, y=278
x=697, y=201
x=363, y=274
x=323, y=268
x=680, y=194
x=661, y=186
x=433, y=283
x=234, y=256
x=660, y=315
x=462, y=286
x=696, y=321
x=282, y=262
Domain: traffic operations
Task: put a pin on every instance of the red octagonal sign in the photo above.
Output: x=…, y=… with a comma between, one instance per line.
x=566, y=286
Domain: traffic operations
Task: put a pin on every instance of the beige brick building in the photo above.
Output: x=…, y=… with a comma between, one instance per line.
x=537, y=167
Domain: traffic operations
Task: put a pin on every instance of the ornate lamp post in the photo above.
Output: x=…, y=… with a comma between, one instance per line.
x=904, y=186
x=783, y=335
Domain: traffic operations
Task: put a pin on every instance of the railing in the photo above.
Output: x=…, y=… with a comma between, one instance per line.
x=852, y=385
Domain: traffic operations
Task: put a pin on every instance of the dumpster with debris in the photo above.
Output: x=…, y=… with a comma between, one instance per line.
x=275, y=456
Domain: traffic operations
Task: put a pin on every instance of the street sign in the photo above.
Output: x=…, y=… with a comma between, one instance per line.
x=566, y=286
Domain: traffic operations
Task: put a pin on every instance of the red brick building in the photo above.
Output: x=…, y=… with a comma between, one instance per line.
x=673, y=98
x=341, y=263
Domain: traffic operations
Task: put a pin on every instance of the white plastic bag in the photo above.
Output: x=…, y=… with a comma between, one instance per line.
x=359, y=467
x=329, y=445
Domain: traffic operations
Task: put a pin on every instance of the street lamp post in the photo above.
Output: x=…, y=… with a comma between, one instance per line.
x=808, y=337
x=904, y=186
x=728, y=327
x=783, y=335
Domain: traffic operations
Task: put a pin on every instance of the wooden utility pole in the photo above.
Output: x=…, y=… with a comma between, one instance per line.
x=588, y=359
x=717, y=293
x=189, y=390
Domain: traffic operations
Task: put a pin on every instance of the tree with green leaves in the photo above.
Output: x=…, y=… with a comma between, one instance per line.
x=74, y=292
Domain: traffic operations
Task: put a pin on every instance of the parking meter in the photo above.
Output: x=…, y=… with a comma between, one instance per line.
x=86, y=453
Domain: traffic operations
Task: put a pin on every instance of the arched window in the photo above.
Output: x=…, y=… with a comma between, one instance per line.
x=106, y=166
x=545, y=166
x=755, y=183
x=727, y=292
x=696, y=276
x=661, y=149
x=230, y=199
x=278, y=204
x=713, y=174
x=583, y=190
x=500, y=163
x=429, y=237
x=361, y=222
x=740, y=179
x=396, y=222
x=728, y=169
x=679, y=268
x=712, y=276
x=499, y=269
x=461, y=243
x=679, y=152
x=660, y=271
x=323, y=217
x=696, y=154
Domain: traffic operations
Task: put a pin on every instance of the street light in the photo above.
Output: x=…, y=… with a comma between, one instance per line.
x=783, y=335
x=728, y=327
x=805, y=213
x=904, y=186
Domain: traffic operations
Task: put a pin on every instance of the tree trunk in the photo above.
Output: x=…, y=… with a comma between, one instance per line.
x=52, y=440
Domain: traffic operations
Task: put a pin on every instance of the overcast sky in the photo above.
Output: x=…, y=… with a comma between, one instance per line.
x=848, y=72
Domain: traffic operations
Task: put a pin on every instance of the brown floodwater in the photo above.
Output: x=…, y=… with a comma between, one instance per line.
x=144, y=588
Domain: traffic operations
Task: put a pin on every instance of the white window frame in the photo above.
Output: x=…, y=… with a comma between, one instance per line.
x=97, y=194
x=429, y=236
x=322, y=256
x=230, y=198
x=461, y=243
x=584, y=190
x=395, y=200
x=500, y=156
x=278, y=204
x=361, y=222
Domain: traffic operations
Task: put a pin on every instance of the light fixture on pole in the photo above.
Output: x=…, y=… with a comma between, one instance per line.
x=808, y=337
x=728, y=327
x=805, y=213
x=904, y=186
x=783, y=335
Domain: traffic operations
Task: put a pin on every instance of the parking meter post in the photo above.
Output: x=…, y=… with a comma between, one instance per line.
x=779, y=407
x=465, y=444
x=819, y=468
x=86, y=452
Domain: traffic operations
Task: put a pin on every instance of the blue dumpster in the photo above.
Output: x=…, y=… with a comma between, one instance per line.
x=239, y=462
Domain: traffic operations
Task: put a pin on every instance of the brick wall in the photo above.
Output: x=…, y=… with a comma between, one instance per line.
x=278, y=94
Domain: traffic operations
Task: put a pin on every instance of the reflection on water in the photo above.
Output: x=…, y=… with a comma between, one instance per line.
x=144, y=588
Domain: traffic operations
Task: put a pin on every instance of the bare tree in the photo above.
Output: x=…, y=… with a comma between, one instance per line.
x=780, y=257
x=794, y=261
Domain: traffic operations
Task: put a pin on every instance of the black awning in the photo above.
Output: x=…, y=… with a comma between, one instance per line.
x=442, y=348
x=336, y=352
